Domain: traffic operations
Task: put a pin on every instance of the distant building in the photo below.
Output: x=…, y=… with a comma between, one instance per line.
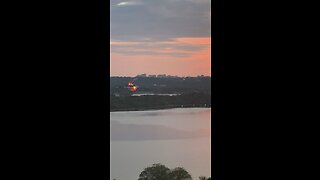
x=162, y=76
x=142, y=75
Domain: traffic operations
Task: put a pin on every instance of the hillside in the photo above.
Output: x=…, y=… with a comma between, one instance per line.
x=192, y=92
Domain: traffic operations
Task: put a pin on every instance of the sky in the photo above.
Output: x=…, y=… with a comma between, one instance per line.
x=160, y=37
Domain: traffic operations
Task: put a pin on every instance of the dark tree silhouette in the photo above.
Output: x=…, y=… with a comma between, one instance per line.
x=204, y=178
x=155, y=172
x=161, y=172
x=179, y=173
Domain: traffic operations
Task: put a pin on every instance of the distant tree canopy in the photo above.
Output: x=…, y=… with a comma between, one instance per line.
x=193, y=92
x=155, y=172
x=179, y=173
x=161, y=172
x=161, y=85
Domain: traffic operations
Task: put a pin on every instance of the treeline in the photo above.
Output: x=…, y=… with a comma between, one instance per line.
x=127, y=103
x=161, y=85
x=161, y=172
x=194, y=92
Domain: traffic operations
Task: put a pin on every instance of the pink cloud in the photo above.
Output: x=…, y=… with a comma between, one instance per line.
x=196, y=63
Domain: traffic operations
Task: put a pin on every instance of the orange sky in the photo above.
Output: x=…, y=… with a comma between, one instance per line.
x=193, y=63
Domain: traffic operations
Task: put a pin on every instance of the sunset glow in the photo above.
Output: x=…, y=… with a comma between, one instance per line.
x=192, y=64
x=156, y=37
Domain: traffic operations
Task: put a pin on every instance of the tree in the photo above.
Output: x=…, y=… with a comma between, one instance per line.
x=155, y=172
x=161, y=172
x=204, y=178
x=179, y=173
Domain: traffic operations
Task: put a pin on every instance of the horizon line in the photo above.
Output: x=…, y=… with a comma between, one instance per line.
x=153, y=76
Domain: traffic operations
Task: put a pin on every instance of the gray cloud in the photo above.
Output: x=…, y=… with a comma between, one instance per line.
x=157, y=48
x=159, y=19
x=129, y=3
x=134, y=52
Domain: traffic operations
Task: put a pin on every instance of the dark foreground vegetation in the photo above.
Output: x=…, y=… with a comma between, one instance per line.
x=161, y=172
x=192, y=92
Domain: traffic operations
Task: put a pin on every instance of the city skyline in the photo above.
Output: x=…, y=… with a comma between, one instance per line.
x=160, y=75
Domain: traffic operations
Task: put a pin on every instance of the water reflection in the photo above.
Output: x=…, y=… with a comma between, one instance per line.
x=139, y=132
x=173, y=137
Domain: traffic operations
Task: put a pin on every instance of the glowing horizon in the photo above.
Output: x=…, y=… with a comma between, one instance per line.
x=160, y=37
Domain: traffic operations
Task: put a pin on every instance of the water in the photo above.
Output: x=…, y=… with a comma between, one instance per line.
x=175, y=137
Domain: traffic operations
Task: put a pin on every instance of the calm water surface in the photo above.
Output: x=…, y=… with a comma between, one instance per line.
x=174, y=137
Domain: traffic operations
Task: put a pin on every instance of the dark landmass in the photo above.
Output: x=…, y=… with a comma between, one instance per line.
x=192, y=92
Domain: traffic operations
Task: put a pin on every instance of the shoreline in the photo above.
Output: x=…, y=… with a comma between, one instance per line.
x=156, y=108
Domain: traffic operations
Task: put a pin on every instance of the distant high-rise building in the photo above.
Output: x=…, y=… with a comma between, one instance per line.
x=162, y=75
x=142, y=75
